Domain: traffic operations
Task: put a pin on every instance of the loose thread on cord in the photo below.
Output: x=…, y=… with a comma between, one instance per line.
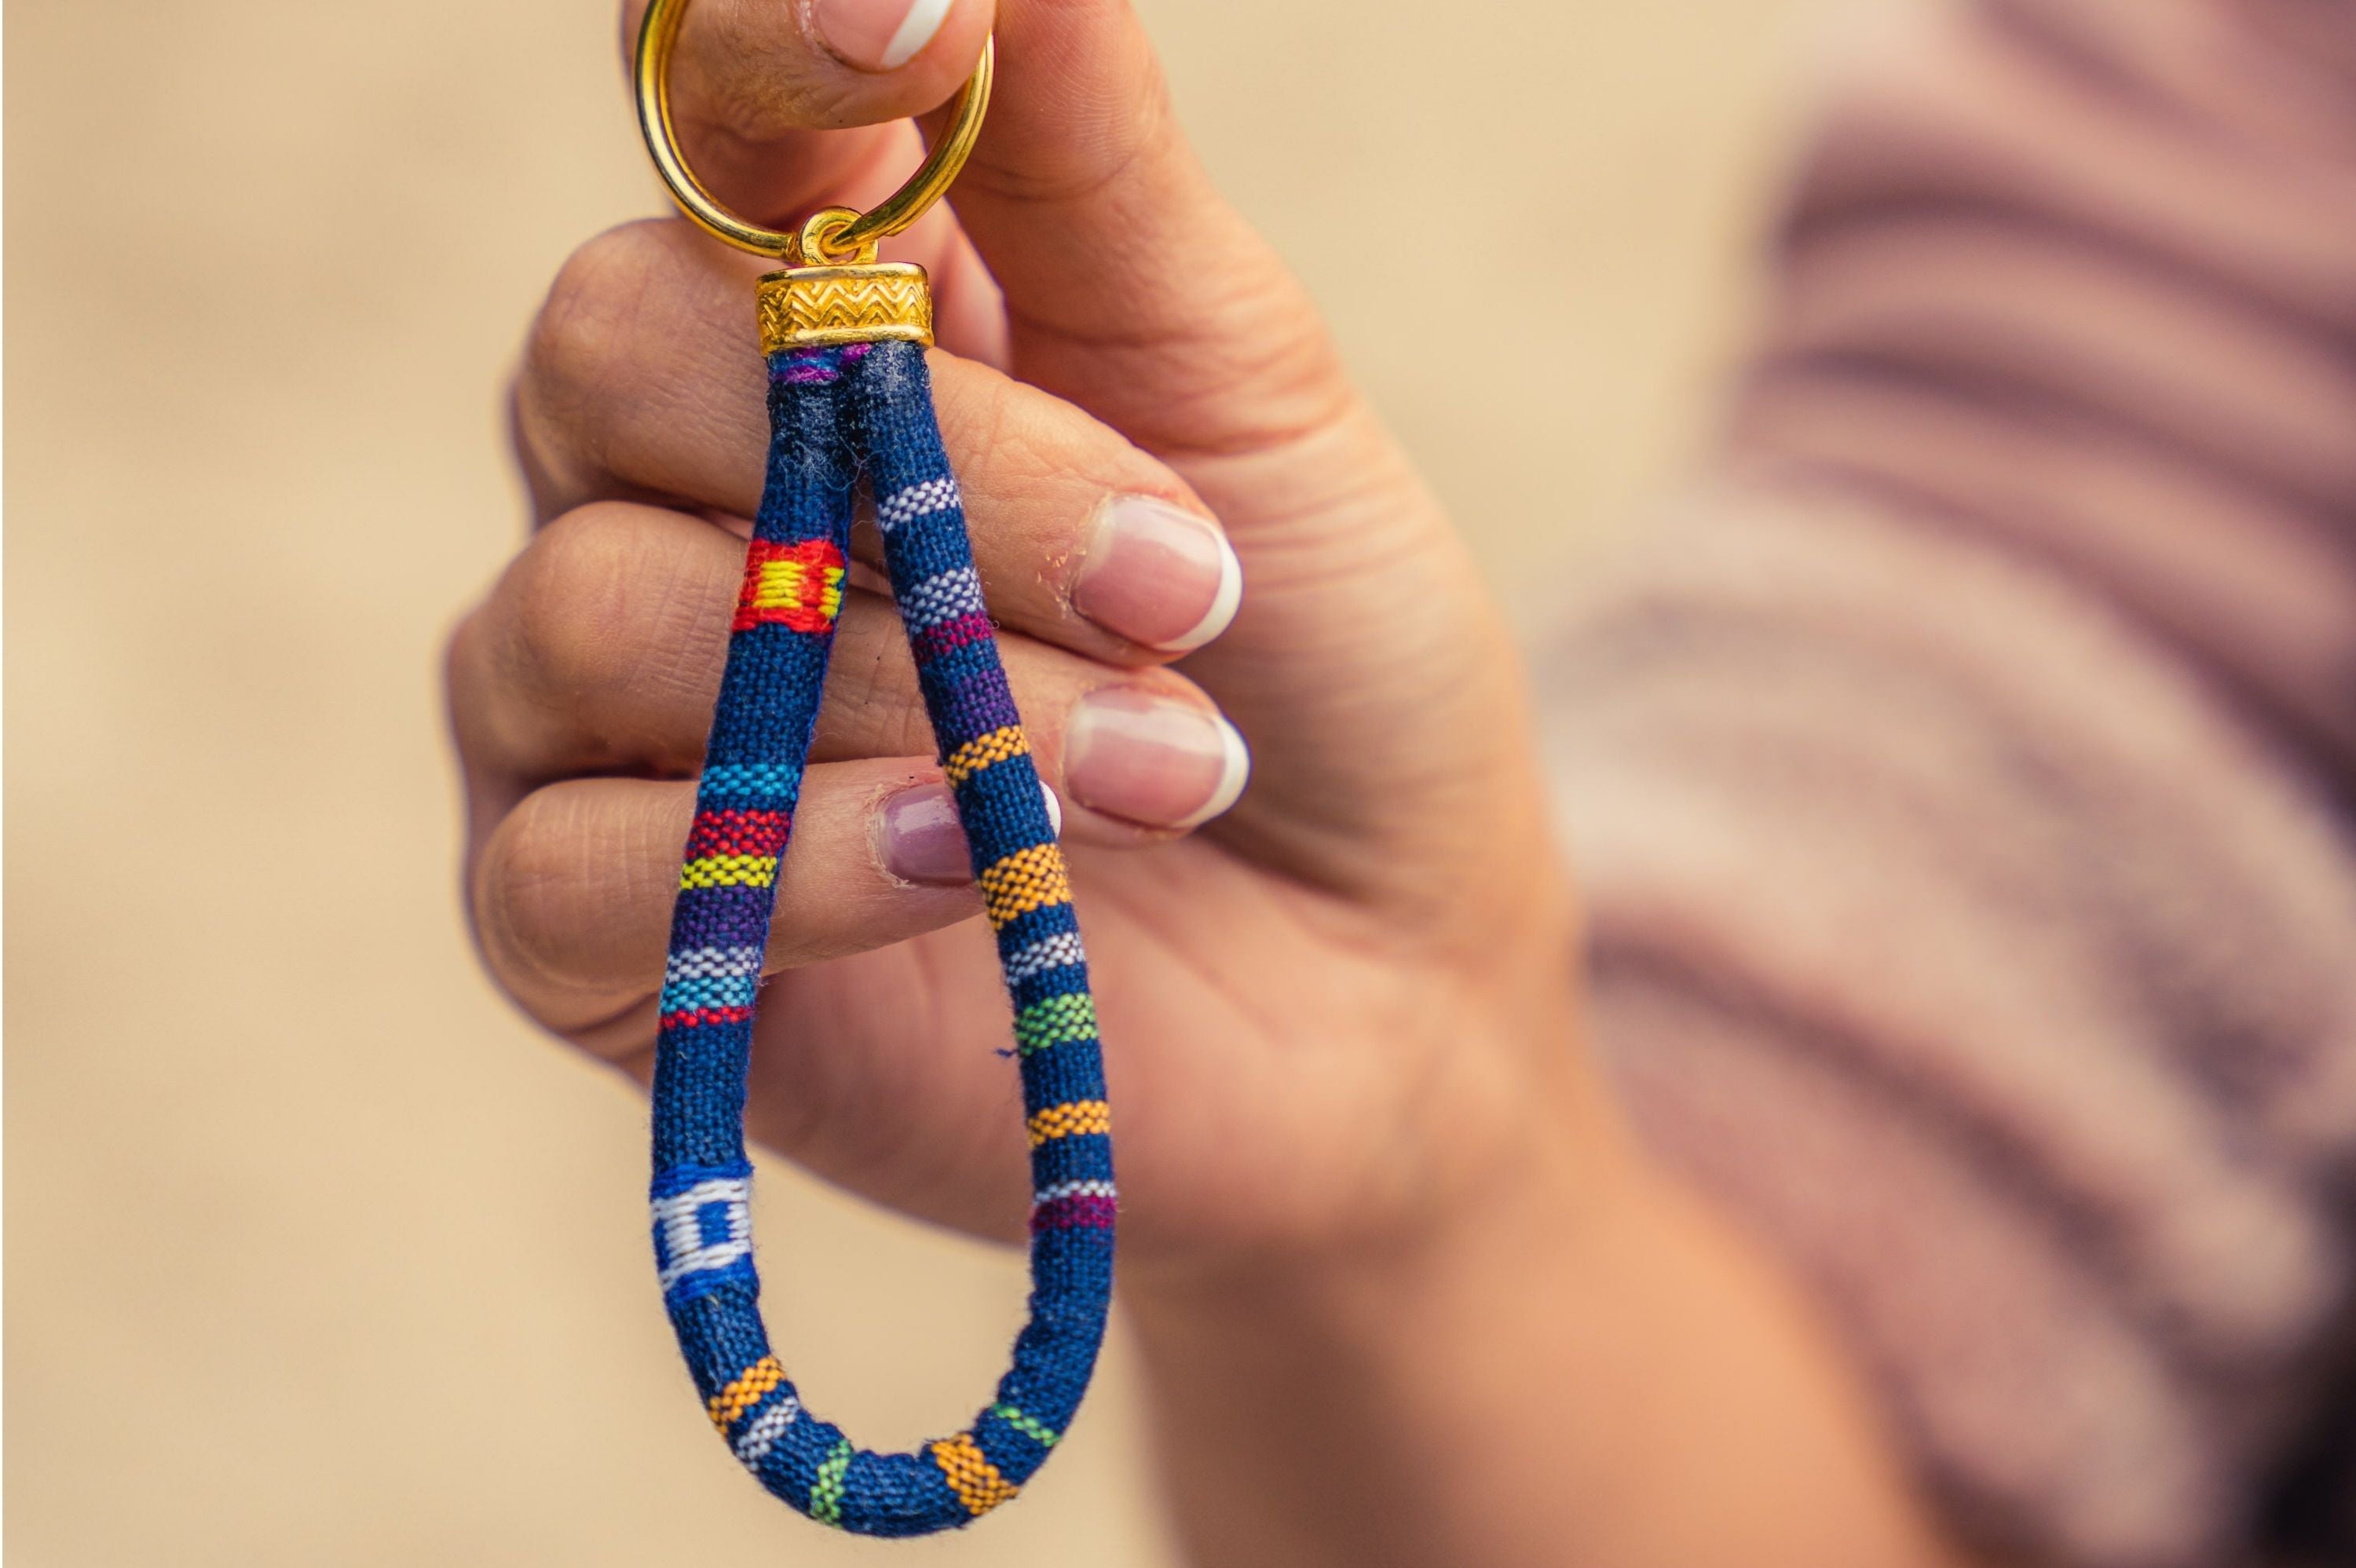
x=837, y=415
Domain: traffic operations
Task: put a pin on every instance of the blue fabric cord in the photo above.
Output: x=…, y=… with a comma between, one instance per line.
x=838, y=416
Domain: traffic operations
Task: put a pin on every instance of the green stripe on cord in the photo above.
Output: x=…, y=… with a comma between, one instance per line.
x=1055, y=1021
x=826, y=1492
x=1043, y=1435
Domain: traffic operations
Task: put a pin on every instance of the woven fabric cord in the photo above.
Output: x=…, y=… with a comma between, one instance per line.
x=838, y=415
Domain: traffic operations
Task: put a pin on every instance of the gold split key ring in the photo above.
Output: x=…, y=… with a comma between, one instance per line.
x=832, y=290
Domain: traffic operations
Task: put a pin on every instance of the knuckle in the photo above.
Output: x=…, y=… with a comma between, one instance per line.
x=583, y=325
x=548, y=878
x=569, y=603
x=462, y=656
x=527, y=891
x=465, y=665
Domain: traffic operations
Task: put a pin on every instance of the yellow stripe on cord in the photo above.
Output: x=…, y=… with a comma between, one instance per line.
x=746, y=1392
x=1027, y=880
x=983, y=750
x=786, y=586
x=1069, y=1121
x=972, y=1476
x=729, y=871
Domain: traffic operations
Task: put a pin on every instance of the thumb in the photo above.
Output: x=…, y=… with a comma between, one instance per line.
x=1366, y=667
x=1132, y=288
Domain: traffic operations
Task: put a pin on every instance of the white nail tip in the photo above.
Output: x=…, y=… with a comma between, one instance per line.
x=1224, y=604
x=1234, y=773
x=1055, y=811
x=916, y=30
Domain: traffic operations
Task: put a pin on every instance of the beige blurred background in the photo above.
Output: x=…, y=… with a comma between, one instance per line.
x=316, y=1253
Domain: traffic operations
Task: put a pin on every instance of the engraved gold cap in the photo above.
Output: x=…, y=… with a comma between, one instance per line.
x=811, y=307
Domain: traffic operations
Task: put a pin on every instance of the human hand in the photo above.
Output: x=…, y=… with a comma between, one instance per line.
x=1338, y=1010
x=1404, y=1291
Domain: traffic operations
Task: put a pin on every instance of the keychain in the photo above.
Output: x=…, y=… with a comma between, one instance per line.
x=850, y=398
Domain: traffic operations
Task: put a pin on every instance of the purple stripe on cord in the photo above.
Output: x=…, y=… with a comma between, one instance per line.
x=1074, y=1213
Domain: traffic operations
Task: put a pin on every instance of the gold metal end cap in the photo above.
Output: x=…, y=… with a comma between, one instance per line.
x=812, y=307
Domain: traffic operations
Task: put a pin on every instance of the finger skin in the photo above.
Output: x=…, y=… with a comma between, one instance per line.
x=641, y=380
x=572, y=894
x=601, y=650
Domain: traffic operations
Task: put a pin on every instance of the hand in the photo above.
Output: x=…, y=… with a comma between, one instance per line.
x=1340, y=1009
x=1404, y=1293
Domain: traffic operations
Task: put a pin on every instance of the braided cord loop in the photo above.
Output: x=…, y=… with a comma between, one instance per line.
x=839, y=414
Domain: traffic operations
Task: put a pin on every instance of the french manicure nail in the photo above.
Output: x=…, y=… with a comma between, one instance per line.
x=1153, y=760
x=1158, y=575
x=879, y=34
x=918, y=838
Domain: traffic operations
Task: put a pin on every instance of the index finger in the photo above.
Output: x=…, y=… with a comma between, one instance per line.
x=785, y=105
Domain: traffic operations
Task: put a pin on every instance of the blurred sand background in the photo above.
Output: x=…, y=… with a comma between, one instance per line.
x=316, y=1253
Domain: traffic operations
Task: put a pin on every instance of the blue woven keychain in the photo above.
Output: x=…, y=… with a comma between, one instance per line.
x=849, y=400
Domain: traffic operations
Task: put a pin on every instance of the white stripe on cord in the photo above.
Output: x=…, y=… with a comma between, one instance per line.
x=921, y=499
x=675, y=1218
x=942, y=597
x=766, y=1428
x=1058, y=952
x=1073, y=1189
x=714, y=962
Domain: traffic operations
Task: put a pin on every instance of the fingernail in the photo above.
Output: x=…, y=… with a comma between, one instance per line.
x=918, y=838
x=1158, y=575
x=1153, y=759
x=879, y=34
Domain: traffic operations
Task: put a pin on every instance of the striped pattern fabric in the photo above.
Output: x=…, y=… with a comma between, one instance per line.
x=841, y=415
